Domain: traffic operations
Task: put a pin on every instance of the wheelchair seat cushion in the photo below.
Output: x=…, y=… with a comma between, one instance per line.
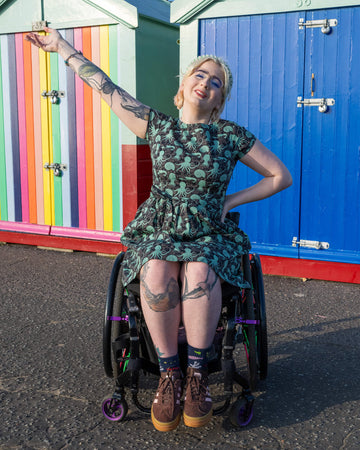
x=181, y=219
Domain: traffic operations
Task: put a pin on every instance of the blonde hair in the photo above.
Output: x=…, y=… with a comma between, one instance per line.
x=226, y=88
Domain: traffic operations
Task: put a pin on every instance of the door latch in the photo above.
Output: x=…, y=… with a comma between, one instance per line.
x=317, y=245
x=56, y=167
x=322, y=103
x=54, y=95
x=325, y=24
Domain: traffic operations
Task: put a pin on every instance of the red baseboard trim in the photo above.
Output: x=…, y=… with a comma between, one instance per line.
x=271, y=265
x=304, y=268
x=65, y=243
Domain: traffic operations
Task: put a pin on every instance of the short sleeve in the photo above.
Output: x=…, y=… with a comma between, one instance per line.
x=244, y=142
x=157, y=120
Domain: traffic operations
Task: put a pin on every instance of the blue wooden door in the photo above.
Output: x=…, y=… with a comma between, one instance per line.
x=330, y=185
x=273, y=60
x=266, y=56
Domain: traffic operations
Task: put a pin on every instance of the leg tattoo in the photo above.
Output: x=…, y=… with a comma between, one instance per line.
x=203, y=288
x=164, y=301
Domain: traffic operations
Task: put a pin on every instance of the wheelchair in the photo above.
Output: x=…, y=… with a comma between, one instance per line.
x=129, y=354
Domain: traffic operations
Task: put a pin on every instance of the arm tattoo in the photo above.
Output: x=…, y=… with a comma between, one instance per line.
x=164, y=301
x=203, y=288
x=94, y=77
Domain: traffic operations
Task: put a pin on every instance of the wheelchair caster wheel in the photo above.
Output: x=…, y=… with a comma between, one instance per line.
x=114, y=409
x=241, y=412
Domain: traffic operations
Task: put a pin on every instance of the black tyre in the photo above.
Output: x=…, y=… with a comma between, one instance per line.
x=249, y=331
x=111, y=327
x=260, y=316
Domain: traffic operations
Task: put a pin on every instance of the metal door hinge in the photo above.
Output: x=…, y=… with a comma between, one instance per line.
x=56, y=167
x=54, y=95
x=324, y=24
x=322, y=103
x=317, y=245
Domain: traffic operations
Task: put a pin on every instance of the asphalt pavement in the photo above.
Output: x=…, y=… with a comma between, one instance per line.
x=52, y=380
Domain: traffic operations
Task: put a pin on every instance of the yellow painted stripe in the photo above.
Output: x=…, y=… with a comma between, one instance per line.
x=106, y=134
x=51, y=148
x=45, y=131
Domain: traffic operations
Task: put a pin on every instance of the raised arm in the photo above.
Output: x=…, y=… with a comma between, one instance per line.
x=276, y=177
x=130, y=111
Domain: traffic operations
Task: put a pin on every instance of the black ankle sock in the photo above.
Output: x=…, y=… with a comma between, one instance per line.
x=198, y=357
x=170, y=362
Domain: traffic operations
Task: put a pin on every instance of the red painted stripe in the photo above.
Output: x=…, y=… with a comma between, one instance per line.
x=129, y=180
x=304, y=268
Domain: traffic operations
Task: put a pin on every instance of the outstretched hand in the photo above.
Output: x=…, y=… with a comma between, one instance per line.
x=48, y=43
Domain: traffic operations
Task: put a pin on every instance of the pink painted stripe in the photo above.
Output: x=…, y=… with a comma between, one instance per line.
x=80, y=133
x=85, y=234
x=99, y=206
x=37, y=134
x=22, y=127
x=24, y=227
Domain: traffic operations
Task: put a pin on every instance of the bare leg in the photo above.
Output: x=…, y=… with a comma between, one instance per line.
x=201, y=303
x=160, y=301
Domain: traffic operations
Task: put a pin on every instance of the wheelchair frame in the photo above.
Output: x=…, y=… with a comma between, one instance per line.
x=128, y=348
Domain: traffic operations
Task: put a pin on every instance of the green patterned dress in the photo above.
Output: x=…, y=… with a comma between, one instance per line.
x=180, y=221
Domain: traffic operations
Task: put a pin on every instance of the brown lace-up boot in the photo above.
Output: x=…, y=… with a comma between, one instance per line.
x=165, y=410
x=198, y=405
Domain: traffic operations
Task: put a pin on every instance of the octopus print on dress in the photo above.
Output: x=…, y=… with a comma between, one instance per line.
x=181, y=219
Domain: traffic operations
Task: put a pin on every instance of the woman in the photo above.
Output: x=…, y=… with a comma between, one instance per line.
x=180, y=243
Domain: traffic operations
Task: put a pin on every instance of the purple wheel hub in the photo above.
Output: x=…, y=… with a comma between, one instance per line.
x=113, y=409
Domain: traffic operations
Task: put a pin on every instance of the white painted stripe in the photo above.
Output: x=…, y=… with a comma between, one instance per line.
x=7, y=129
x=64, y=133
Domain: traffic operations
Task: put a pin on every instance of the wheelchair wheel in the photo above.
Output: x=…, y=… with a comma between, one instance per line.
x=249, y=332
x=260, y=316
x=114, y=409
x=241, y=413
x=113, y=308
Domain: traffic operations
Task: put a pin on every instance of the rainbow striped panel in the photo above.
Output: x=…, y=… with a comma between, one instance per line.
x=80, y=132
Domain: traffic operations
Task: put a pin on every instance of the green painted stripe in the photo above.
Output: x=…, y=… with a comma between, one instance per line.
x=55, y=112
x=115, y=135
x=3, y=189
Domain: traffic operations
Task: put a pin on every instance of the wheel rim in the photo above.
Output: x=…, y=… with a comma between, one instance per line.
x=244, y=416
x=113, y=409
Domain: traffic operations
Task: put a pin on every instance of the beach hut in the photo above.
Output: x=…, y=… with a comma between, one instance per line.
x=296, y=67
x=71, y=176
